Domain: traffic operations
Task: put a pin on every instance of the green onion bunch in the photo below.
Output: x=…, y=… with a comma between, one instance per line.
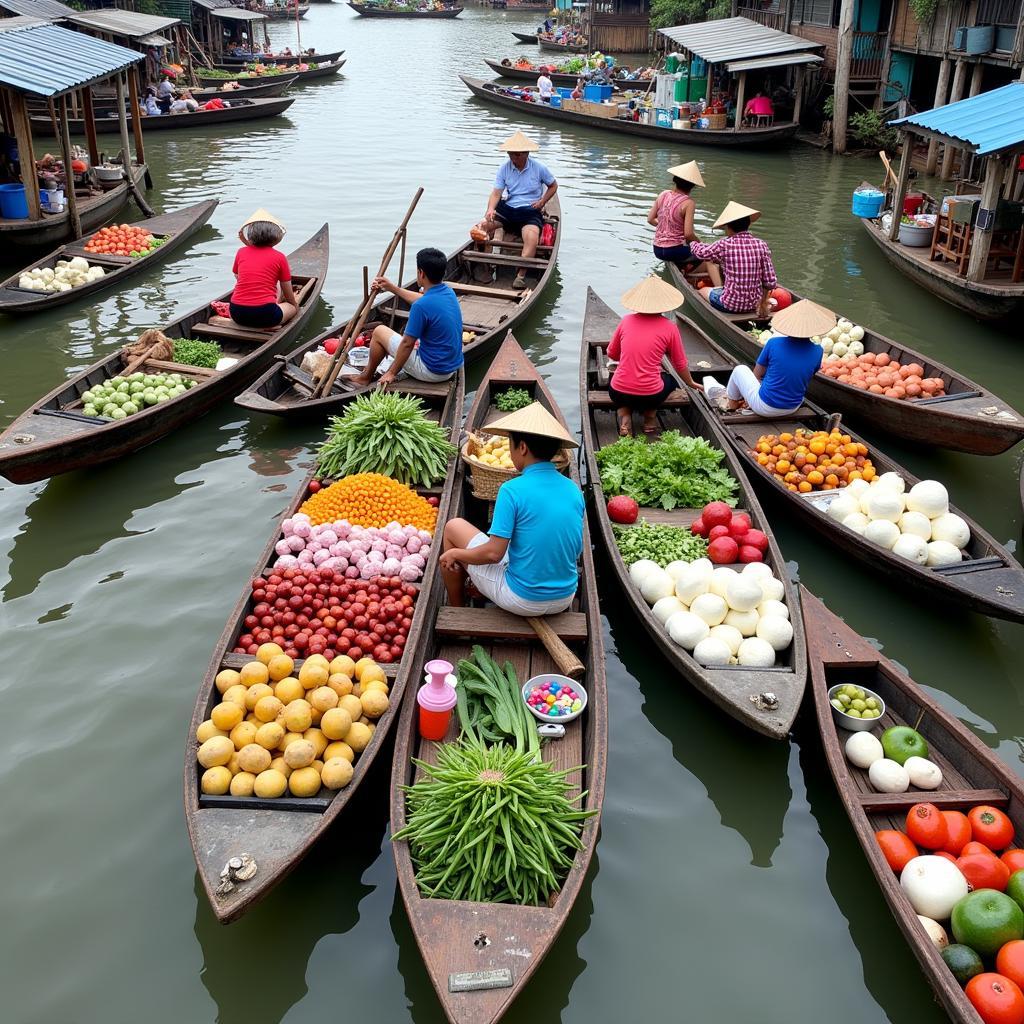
x=512, y=399
x=192, y=352
x=490, y=703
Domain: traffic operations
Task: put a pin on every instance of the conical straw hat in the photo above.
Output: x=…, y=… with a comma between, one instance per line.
x=534, y=419
x=804, y=319
x=652, y=295
x=519, y=143
x=736, y=211
x=262, y=216
x=688, y=172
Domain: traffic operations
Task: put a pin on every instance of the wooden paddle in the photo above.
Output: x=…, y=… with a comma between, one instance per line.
x=567, y=662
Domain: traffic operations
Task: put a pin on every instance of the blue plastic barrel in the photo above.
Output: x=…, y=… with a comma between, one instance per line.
x=13, y=204
x=867, y=202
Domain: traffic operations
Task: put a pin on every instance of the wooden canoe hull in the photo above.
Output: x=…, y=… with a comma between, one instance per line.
x=372, y=11
x=230, y=63
x=979, y=423
x=324, y=71
x=546, y=44
x=530, y=74
x=684, y=136
x=179, y=227
x=286, y=14
x=277, y=86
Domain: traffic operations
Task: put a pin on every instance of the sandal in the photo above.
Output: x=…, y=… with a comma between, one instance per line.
x=626, y=427
x=520, y=282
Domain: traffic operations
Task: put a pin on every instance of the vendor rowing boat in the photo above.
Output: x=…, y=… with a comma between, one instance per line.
x=324, y=70
x=397, y=9
x=283, y=60
x=528, y=71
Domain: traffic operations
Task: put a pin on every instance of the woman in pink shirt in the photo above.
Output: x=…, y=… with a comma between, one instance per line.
x=672, y=216
x=641, y=341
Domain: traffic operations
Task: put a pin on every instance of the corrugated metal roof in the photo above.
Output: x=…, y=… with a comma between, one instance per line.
x=986, y=123
x=154, y=40
x=49, y=10
x=734, y=39
x=47, y=60
x=780, y=60
x=213, y=5
x=19, y=21
x=122, y=23
x=237, y=14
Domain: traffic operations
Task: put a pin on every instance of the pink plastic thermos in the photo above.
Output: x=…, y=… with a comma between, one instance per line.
x=436, y=699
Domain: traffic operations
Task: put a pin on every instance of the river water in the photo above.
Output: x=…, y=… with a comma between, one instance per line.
x=727, y=885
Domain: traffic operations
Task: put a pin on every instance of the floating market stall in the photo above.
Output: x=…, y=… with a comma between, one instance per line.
x=218, y=25
x=267, y=73
x=412, y=9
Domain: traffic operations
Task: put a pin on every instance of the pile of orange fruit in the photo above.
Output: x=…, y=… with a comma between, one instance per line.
x=121, y=240
x=813, y=460
x=370, y=499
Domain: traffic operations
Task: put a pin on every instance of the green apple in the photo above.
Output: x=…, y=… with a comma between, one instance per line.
x=901, y=742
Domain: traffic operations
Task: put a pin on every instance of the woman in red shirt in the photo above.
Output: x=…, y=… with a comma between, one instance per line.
x=260, y=269
x=641, y=341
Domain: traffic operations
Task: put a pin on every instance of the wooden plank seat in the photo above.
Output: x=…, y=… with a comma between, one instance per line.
x=488, y=290
x=503, y=260
x=403, y=314
x=602, y=400
x=225, y=327
x=745, y=416
x=495, y=623
x=513, y=243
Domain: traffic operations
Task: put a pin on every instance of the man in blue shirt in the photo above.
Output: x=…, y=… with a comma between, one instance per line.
x=431, y=348
x=522, y=188
x=527, y=565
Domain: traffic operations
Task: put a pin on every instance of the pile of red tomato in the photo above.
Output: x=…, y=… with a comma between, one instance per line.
x=730, y=536
x=322, y=612
x=121, y=240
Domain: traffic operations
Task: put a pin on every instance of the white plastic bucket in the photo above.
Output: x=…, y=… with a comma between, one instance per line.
x=52, y=199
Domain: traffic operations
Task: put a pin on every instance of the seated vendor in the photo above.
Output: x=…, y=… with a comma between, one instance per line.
x=151, y=106
x=672, y=216
x=526, y=563
x=184, y=103
x=758, y=106
x=260, y=269
x=778, y=383
x=545, y=87
x=577, y=93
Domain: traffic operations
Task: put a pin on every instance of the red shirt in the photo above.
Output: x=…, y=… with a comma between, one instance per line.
x=258, y=269
x=640, y=342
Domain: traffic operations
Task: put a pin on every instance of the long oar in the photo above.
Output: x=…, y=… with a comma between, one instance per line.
x=567, y=662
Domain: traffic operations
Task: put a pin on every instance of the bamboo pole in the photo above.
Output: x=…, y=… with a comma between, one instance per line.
x=89, y=116
x=401, y=278
x=122, y=116
x=133, y=95
x=69, y=174
x=26, y=156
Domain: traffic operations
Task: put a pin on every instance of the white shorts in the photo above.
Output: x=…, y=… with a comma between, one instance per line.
x=744, y=384
x=490, y=581
x=414, y=365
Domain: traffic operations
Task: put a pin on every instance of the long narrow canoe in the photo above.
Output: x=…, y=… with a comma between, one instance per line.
x=229, y=63
x=493, y=93
x=989, y=580
x=284, y=13
x=972, y=773
x=53, y=436
x=276, y=86
x=378, y=11
x=490, y=311
x=320, y=71
x=968, y=418
x=480, y=955
x=766, y=700
x=531, y=74
x=174, y=228
x=548, y=44
x=278, y=833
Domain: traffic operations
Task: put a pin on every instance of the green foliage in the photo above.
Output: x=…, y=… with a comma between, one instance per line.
x=490, y=704
x=191, y=352
x=870, y=129
x=659, y=543
x=665, y=13
x=828, y=108
x=924, y=10
x=512, y=399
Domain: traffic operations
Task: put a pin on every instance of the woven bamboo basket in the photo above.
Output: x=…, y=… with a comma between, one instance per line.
x=486, y=480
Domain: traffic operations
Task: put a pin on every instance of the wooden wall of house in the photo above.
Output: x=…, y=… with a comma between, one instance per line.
x=621, y=33
x=828, y=38
x=909, y=34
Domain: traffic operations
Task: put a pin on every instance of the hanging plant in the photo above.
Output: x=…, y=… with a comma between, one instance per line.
x=924, y=10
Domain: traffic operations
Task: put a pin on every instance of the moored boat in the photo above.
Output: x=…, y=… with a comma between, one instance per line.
x=374, y=10
x=480, y=955
x=55, y=436
x=765, y=699
x=286, y=12
x=277, y=86
x=507, y=69
x=547, y=43
x=280, y=60
x=242, y=76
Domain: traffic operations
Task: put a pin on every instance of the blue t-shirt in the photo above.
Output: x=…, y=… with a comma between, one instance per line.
x=540, y=512
x=525, y=187
x=436, y=320
x=791, y=363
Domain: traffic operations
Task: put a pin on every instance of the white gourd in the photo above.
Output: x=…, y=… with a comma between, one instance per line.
x=667, y=607
x=856, y=488
x=758, y=570
x=756, y=653
x=941, y=552
x=917, y=524
x=79, y=263
x=923, y=773
x=704, y=566
x=856, y=522
x=691, y=585
x=951, y=528
x=772, y=589
x=773, y=608
x=857, y=332
x=928, y=497
x=839, y=349
x=656, y=585
x=912, y=548
x=882, y=532
x=863, y=749
x=843, y=506
x=711, y=651
x=640, y=569
x=730, y=635
x=677, y=568
x=844, y=325
x=745, y=622
x=856, y=348
x=889, y=776
x=743, y=593
x=883, y=503
x=775, y=630
x=686, y=629
x=711, y=608
x=720, y=580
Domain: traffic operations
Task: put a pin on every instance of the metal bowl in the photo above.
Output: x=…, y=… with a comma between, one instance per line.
x=844, y=721
x=114, y=174
x=556, y=678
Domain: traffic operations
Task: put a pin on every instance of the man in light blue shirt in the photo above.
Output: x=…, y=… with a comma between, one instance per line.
x=522, y=188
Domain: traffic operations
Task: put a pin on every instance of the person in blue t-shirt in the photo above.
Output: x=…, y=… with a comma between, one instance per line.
x=527, y=564
x=523, y=186
x=431, y=348
x=777, y=384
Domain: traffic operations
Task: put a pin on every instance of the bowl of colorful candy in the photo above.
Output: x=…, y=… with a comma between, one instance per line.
x=554, y=698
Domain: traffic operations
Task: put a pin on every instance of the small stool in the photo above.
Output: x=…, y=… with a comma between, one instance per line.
x=763, y=120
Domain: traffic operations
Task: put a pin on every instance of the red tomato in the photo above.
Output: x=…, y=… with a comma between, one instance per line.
x=997, y=999
x=896, y=847
x=976, y=848
x=314, y=486
x=945, y=856
x=983, y=871
x=990, y=826
x=926, y=826
x=1010, y=961
x=958, y=829
x=718, y=531
x=1014, y=860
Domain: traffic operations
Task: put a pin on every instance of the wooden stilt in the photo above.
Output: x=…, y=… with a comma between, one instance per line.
x=133, y=94
x=941, y=91
x=948, y=151
x=741, y=89
x=900, y=192
x=26, y=156
x=89, y=116
x=981, y=240
x=65, y=149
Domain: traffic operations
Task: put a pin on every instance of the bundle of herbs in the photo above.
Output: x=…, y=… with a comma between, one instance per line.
x=658, y=542
x=490, y=704
x=193, y=352
x=512, y=399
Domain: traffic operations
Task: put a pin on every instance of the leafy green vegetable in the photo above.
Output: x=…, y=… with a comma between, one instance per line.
x=490, y=703
x=674, y=472
x=658, y=542
x=191, y=352
x=512, y=399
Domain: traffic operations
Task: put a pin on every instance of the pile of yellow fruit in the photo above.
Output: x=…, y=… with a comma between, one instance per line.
x=275, y=733
x=492, y=451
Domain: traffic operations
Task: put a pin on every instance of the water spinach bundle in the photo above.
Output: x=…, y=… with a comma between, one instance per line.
x=490, y=704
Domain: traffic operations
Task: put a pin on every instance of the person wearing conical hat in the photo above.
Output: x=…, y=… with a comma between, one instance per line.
x=263, y=297
x=789, y=359
x=640, y=343
x=672, y=216
x=523, y=186
x=526, y=562
x=745, y=262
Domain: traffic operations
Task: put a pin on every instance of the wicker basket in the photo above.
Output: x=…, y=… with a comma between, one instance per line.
x=716, y=121
x=486, y=480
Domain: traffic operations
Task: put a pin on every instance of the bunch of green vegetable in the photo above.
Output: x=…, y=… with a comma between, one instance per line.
x=191, y=352
x=659, y=543
x=512, y=399
x=491, y=824
x=490, y=703
x=674, y=472
x=386, y=433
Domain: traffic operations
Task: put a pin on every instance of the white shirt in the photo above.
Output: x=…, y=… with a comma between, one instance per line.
x=164, y=89
x=546, y=86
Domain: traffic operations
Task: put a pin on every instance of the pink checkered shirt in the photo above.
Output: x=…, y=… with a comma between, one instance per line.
x=746, y=264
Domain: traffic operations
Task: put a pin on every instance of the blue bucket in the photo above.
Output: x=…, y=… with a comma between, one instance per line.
x=556, y=100
x=13, y=204
x=867, y=202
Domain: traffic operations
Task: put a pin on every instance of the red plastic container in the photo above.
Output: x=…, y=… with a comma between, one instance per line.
x=912, y=203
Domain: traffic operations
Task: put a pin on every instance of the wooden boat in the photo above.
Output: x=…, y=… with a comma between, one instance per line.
x=531, y=74
x=989, y=580
x=53, y=436
x=501, y=944
x=320, y=71
x=493, y=93
x=490, y=311
x=278, y=833
x=93, y=210
x=228, y=63
x=968, y=418
x=766, y=700
x=174, y=228
x=548, y=44
x=377, y=11
x=233, y=110
x=286, y=13
x=972, y=773
x=276, y=86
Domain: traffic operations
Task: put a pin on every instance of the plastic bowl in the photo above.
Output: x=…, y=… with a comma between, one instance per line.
x=565, y=681
x=844, y=721
x=359, y=356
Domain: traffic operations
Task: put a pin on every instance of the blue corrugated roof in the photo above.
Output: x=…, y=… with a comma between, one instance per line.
x=989, y=122
x=47, y=60
x=49, y=10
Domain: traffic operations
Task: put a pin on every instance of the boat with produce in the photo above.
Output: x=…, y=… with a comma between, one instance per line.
x=216, y=77
x=393, y=9
x=33, y=289
x=605, y=118
x=916, y=783
x=227, y=63
x=525, y=71
x=900, y=391
x=549, y=44
x=62, y=431
x=692, y=597
x=865, y=503
x=277, y=86
x=485, y=931
x=489, y=312
x=261, y=819
x=287, y=12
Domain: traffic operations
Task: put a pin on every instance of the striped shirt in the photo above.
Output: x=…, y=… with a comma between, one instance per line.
x=746, y=263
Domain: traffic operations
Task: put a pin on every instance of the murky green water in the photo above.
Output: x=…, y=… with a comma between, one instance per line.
x=727, y=885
